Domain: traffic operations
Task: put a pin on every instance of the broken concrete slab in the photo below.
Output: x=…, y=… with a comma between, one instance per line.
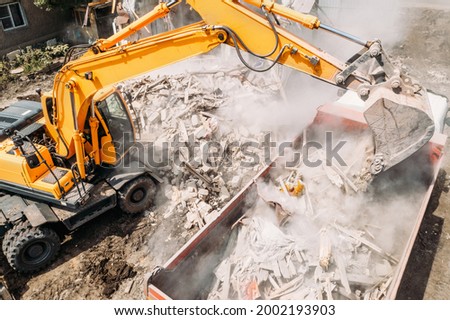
x=154, y=118
x=200, y=132
x=235, y=182
x=195, y=121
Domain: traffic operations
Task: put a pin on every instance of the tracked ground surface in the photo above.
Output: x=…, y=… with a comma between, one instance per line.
x=109, y=257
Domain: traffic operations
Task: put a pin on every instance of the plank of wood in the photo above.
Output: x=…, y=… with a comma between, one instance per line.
x=324, y=249
x=284, y=269
x=342, y=272
x=369, y=244
x=273, y=283
x=276, y=268
x=289, y=287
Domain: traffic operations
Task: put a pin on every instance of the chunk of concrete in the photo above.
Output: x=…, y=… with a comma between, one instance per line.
x=236, y=182
x=154, y=118
x=204, y=208
x=195, y=120
x=224, y=194
x=211, y=216
x=200, y=132
x=12, y=55
x=164, y=114
x=187, y=195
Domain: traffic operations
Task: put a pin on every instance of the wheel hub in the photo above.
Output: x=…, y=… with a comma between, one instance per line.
x=137, y=195
x=36, y=252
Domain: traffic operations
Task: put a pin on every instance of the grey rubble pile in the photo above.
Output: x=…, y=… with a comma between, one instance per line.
x=178, y=115
x=269, y=263
x=313, y=234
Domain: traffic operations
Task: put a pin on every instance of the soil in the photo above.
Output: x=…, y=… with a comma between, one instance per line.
x=110, y=257
x=425, y=52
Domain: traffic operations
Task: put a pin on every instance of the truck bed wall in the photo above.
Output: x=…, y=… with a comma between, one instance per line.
x=189, y=274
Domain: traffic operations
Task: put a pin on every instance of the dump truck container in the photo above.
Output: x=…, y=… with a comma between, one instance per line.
x=345, y=242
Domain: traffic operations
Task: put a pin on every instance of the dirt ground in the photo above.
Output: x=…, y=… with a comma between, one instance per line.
x=109, y=257
x=426, y=53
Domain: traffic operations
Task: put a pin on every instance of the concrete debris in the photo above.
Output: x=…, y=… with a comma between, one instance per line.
x=200, y=132
x=195, y=120
x=273, y=260
x=235, y=182
x=224, y=194
x=178, y=115
x=325, y=249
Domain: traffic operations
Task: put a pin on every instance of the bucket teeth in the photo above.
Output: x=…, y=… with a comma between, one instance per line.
x=398, y=129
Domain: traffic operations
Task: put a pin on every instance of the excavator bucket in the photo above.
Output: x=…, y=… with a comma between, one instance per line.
x=401, y=123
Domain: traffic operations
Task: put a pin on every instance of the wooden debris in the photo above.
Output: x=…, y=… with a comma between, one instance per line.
x=192, y=170
x=287, y=288
x=334, y=177
x=371, y=245
x=281, y=273
x=343, y=273
x=328, y=287
x=129, y=286
x=325, y=249
x=266, y=262
x=343, y=292
x=281, y=213
x=309, y=202
x=345, y=178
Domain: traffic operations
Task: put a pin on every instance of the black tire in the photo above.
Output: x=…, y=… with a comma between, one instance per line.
x=137, y=195
x=29, y=249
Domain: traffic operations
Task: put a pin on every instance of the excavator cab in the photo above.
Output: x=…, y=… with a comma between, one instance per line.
x=118, y=120
x=115, y=132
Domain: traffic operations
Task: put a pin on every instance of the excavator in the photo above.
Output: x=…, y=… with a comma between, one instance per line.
x=68, y=159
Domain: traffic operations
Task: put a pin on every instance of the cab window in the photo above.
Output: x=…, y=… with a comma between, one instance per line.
x=116, y=118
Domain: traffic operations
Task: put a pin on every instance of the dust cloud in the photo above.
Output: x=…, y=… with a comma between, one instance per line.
x=387, y=211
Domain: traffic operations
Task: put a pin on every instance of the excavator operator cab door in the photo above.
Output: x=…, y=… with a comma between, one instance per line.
x=118, y=121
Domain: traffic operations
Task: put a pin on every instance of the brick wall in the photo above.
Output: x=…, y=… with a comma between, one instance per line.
x=41, y=26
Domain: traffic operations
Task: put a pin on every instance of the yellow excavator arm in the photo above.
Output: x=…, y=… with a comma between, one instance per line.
x=397, y=108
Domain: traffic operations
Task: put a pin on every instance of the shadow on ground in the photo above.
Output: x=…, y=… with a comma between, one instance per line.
x=418, y=269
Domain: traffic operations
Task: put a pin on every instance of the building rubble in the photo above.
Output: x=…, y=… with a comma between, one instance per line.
x=180, y=122
x=266, y=258
x=312, y=234
x=270, y=263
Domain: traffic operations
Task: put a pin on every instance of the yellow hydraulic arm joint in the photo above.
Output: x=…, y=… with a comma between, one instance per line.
x=369, y=72
x=94, y=125
x=91, y=72
x=158, y=12
x=77, y=138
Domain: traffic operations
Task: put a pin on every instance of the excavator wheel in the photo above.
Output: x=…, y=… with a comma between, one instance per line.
x=29, y=249
x=137, y=195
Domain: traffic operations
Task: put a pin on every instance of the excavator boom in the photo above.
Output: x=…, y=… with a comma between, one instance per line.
x=70, y=159
x=397, y=109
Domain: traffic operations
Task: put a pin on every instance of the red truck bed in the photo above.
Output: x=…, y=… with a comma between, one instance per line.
x=189, y=274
